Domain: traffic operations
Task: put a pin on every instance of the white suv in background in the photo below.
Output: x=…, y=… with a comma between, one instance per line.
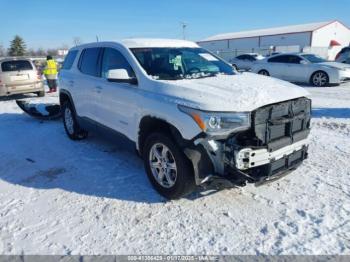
x=19, y=76
x=192, y=118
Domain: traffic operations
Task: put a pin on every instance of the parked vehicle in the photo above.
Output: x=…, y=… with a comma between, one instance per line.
x=245, y=61
x=303, y=68
x=343, y=56
x=19, y=76
x=192, y=118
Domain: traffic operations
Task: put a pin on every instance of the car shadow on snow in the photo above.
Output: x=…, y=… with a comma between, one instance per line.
x=93, y=167
x=16, y=97
x=331, y=112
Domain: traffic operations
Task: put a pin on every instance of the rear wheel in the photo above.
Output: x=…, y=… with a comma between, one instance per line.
x=319, y=79
x=70, y=122
x=168, y=169
x=264, y=72
x=235, y=67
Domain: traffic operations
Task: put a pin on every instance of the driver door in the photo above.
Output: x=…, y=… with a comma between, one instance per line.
x=296, y=69
x=118, y=101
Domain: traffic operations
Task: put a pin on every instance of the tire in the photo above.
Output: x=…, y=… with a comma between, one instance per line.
x=235, y=67
x=70, y=123
x=264, y=72
x=41, y=94
x=319, y=79
x=179, y=180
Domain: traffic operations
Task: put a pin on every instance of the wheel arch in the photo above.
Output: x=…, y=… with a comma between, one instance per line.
x=149, y=124
x=66, y=96
x=319, y=71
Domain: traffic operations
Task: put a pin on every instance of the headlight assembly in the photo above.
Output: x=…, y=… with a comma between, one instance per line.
x=218, y=123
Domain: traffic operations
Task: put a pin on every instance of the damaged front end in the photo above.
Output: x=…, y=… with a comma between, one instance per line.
x=275, y=144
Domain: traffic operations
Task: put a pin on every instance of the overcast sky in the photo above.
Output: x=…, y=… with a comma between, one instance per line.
x=51, y=24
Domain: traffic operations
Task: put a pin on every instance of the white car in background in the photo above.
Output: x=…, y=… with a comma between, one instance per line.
x=245, y=61
x=303, y=68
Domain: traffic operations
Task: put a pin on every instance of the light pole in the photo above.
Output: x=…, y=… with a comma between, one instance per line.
x=184, y=26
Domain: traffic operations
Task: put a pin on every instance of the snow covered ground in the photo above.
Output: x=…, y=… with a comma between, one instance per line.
x=92, y=197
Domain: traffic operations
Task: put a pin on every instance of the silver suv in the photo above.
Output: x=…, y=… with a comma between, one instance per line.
x=19, y=76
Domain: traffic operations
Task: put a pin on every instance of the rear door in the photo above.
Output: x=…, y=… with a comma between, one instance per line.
x=18, y=75
x=84, y=86
x=295, y=71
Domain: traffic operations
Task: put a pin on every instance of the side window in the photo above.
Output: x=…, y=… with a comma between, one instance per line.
x=251, y=58
x=279, y=59
x=293, y=59
x=113, y=59
x=69, y=60
x=241, y=57
x=89, y=62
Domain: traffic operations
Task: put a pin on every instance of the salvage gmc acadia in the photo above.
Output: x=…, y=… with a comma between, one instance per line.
x=193, y=118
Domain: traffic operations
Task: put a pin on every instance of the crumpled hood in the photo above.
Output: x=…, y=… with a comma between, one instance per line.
x=336, y=65
x=236, y=93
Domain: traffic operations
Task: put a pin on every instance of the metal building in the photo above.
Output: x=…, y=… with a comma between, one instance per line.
x=324, y=38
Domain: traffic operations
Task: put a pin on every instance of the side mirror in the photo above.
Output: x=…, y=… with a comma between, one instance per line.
x=120, y=76
x=303, y=62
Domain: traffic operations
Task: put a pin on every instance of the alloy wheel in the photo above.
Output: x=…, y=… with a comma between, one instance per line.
x=320, y=79
x=68, y=118
x=163, y=165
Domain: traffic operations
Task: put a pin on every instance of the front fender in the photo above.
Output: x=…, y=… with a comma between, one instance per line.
x=169, y=113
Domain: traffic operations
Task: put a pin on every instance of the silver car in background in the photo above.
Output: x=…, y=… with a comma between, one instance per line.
x=20, y=76
x=303, y=68
x=245, y=61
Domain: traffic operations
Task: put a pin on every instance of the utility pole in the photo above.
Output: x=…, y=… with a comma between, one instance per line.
x=97, y=40
x=184, y=26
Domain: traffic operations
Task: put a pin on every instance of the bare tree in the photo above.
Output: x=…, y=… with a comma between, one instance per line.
x=52, y=52
x=40, y=52
x=2, y=51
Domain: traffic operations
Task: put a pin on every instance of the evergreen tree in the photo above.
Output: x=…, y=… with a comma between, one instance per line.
x=17, y=47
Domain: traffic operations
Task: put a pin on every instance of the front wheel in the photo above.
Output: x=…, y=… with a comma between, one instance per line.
x=264, y=72
x=70, y=122
x=168, y=169
x=320, y=79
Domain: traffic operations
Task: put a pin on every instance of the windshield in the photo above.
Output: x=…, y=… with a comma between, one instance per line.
x=180, y=63
x=314, y=58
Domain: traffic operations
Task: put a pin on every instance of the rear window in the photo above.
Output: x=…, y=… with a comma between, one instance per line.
x=89, y=62
x=18, y=65
x=69, y=60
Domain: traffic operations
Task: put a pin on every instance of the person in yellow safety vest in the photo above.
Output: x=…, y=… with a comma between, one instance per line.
x=50, y=73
